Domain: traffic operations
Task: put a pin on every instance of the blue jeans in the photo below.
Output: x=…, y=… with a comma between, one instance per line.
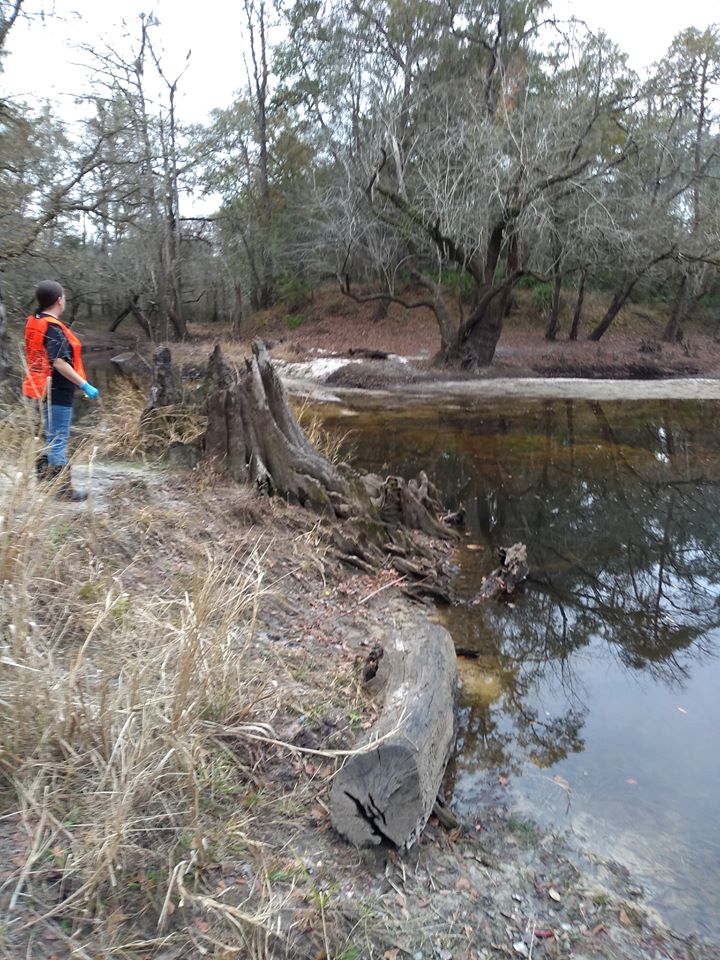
x=57, y=433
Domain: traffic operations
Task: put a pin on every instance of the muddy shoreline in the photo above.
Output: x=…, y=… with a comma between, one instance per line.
x=417, y=387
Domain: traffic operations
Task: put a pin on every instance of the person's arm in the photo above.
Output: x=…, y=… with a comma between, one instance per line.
x=63, y=367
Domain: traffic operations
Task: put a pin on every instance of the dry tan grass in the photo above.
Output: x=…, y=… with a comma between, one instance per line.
x=135, y=722
x=125, y=432
x=110, y=707
x=334, y=446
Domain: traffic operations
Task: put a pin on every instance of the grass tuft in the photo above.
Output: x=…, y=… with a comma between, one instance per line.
x=333, y=445
x=127, y=432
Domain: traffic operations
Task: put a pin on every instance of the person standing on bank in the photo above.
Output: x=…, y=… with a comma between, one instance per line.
x=54, y=370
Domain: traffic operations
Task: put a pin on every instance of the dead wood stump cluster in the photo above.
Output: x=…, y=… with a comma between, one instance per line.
x=386, y=790
x=253, y=435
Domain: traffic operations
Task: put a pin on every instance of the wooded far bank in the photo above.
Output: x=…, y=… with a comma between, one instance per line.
x=434, y=154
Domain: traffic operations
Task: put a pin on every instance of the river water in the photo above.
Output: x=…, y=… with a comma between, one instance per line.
x=592, y=704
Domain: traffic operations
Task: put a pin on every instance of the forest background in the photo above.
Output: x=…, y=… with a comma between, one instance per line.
x=436, y=153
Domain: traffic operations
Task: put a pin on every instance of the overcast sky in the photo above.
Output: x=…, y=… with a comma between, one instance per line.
x=42, y=59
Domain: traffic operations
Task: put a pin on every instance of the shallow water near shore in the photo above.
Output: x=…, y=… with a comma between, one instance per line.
x=592, y=699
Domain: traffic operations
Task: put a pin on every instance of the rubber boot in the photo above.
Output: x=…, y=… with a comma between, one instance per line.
x=63, y=484
x=41, y=467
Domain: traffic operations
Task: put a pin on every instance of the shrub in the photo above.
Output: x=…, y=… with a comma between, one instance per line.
x=542, y=296
x=458, y=284
x=293, y=291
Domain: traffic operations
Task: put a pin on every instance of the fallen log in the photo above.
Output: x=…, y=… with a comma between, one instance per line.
x=368, y=354
x=385, y=795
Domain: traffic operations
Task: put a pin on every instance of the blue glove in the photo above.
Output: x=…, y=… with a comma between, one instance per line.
x=91, y=392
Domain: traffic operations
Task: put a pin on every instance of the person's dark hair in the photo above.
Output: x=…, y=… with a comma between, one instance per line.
x=48, y=292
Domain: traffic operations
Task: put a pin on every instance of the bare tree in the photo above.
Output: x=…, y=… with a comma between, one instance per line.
x=134, y=199
x=9, y=12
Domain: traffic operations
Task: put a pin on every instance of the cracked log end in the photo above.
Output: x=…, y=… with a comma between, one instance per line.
x=385, y=795
x=378, y=798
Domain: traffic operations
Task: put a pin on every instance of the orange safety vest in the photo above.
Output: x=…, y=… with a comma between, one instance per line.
x=39, y=370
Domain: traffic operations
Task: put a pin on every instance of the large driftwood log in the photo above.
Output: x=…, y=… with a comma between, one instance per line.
x=386, y=794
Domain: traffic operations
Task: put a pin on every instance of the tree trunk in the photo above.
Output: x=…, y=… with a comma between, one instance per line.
x=381, y=311
x=478, y=338
x=577, y=315
x=6, y=351
x=616, y=304
x=258, y=37
x=386, y=794
x=165, y=389
x=132, y=309
x=473, y=345
x=237, y=316
x=674, y=329
x=554, y=319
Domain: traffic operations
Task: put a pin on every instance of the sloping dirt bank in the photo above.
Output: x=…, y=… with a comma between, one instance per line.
x=328, y=325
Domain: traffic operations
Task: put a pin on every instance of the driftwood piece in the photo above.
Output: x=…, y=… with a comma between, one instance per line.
x=504, y=580
x=165, y=390
x=412, y=504
x=368, y=354
x=386, y=794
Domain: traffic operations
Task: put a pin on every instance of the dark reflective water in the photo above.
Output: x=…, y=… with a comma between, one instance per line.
x=595, y=693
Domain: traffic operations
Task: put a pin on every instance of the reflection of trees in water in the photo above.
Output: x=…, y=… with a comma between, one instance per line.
x=624, y=540
x=620, y=507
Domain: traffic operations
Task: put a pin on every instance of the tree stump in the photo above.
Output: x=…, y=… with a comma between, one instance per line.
x=386, y=795
x=253, y=435
x=165, y=390
x=505, y=579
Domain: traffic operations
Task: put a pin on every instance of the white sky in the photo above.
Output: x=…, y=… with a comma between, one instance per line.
x=42, y=62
